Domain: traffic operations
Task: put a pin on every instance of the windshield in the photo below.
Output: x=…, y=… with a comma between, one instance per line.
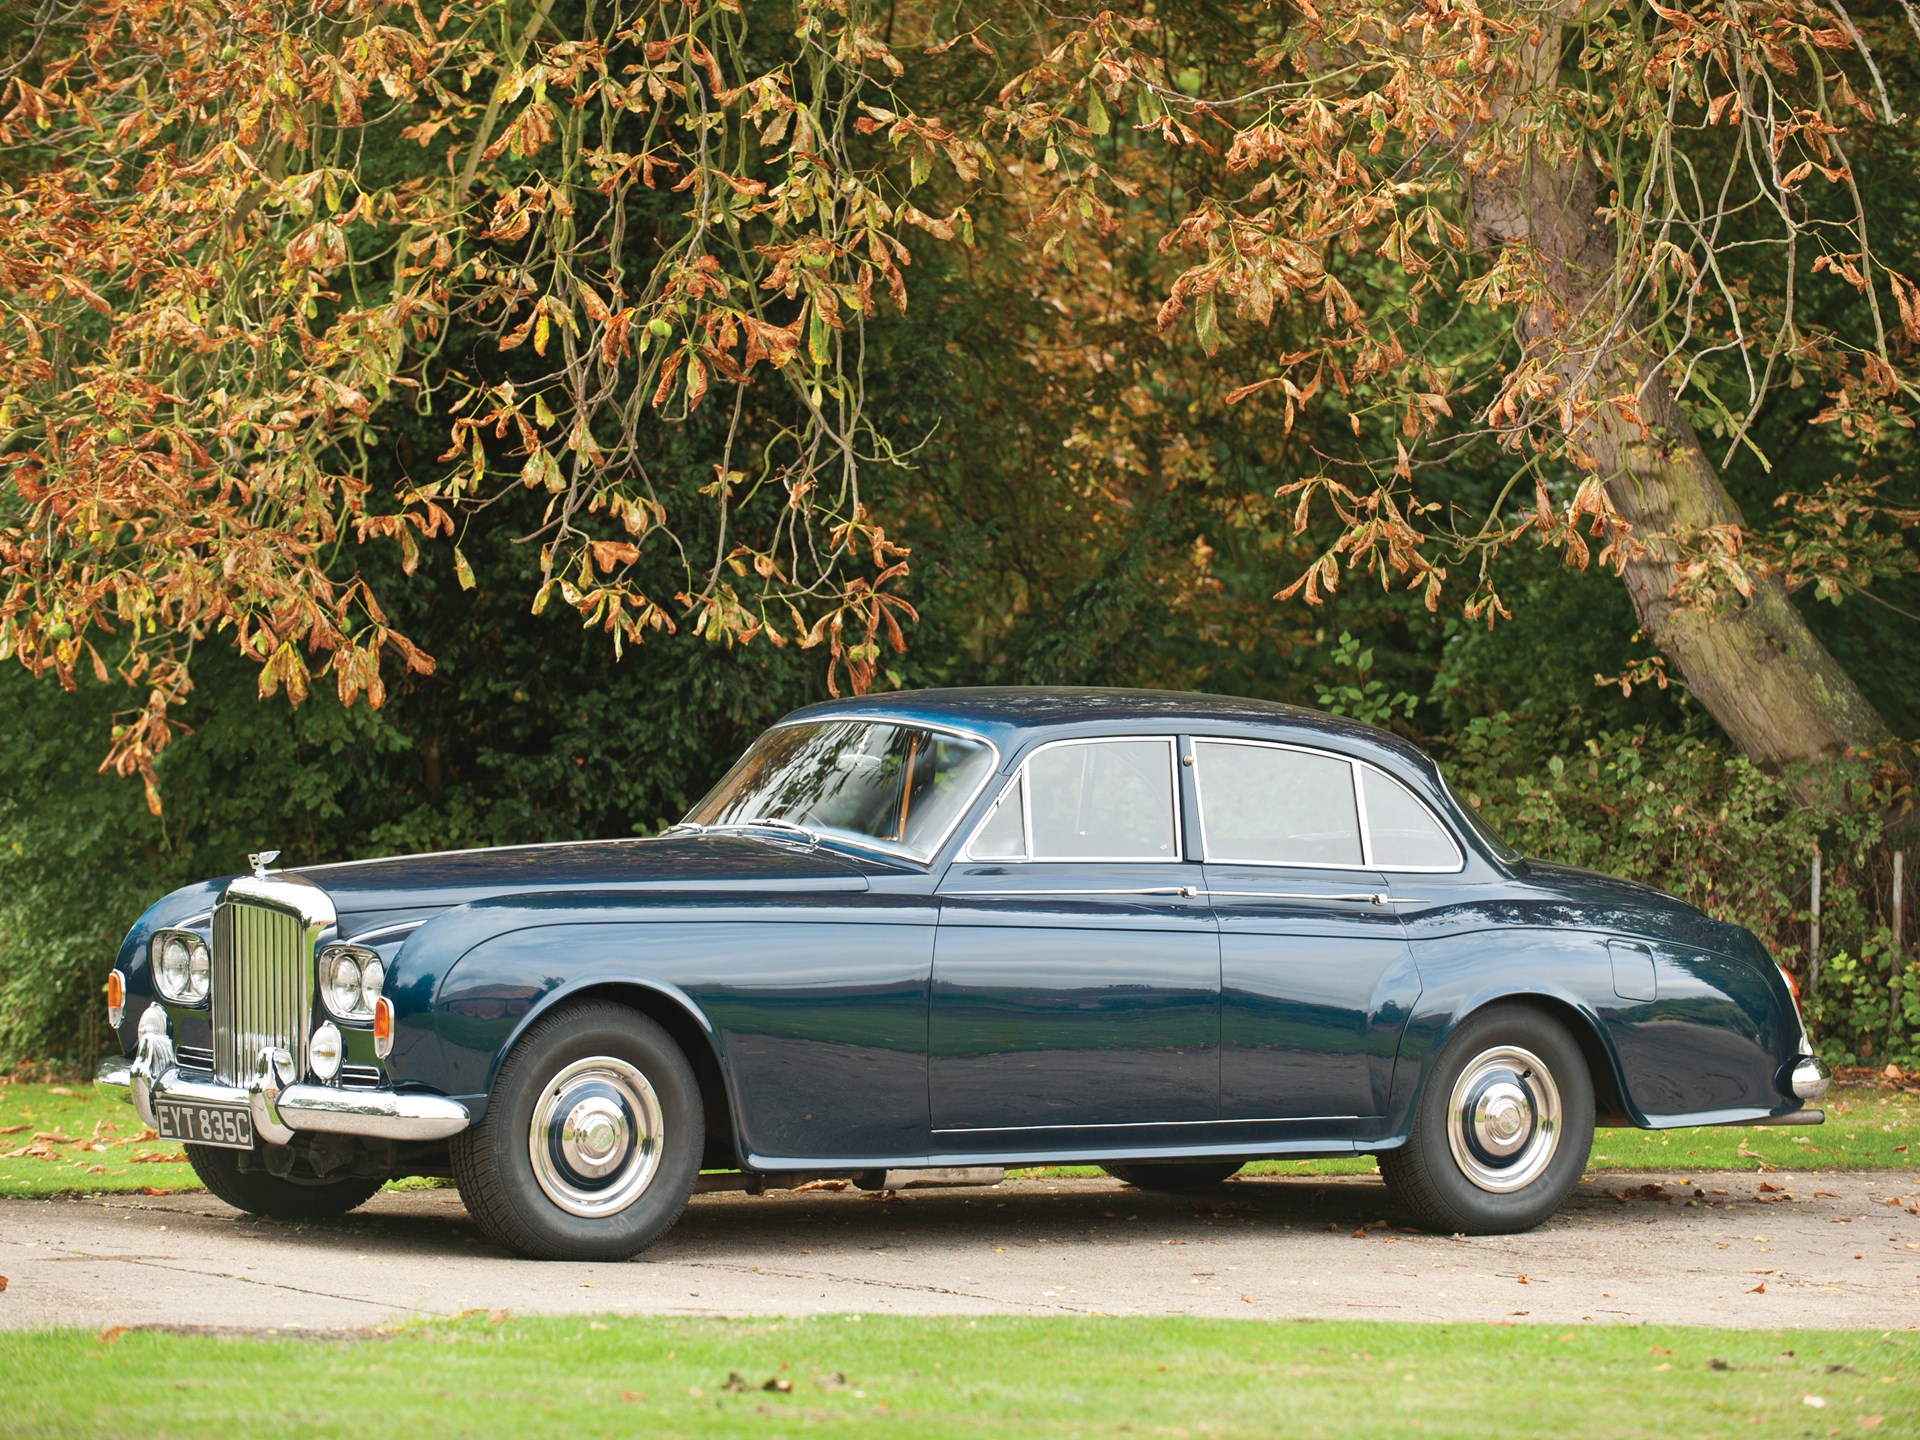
x=871, y=782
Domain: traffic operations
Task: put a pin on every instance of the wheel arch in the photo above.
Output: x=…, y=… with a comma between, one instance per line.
x=1610, y=1104
x=686, y=1025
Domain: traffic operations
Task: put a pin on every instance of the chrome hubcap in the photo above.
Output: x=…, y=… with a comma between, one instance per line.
x=1503, y=1119
x=596, y=1136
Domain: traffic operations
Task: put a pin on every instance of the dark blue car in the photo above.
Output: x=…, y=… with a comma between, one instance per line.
x=1166, y=934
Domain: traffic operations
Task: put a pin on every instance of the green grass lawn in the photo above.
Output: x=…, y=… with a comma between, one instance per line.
x=844, y=1375
x=68, y=1139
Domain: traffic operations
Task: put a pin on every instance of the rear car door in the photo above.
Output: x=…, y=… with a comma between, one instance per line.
x=1317, y=979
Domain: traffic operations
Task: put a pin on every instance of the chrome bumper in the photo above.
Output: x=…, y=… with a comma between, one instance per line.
x=278, y=1110
x=1810, y=1078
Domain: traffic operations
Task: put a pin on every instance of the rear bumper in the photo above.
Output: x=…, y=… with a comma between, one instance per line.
x=1809, y=1078
x=281, y=1111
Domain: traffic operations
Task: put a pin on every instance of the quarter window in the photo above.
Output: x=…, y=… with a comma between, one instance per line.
x=1004, y=836
x=1403, y=834
x=1261, y=805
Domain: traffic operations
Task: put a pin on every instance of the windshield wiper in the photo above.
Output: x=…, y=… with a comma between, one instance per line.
x=768, y=822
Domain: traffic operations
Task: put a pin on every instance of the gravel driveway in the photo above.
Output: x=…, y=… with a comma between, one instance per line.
x=1824, y=1249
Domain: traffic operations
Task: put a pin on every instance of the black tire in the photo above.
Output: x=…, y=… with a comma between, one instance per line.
x=642, y=1119
x=258, y=1193
x=1456, y=1176
x=1175, y=1175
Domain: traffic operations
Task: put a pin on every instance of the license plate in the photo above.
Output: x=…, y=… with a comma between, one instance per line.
x=227, y=1126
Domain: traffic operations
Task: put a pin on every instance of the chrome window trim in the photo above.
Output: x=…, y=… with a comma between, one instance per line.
x=1354, y=767
x=866, y=842
x=1019, y=774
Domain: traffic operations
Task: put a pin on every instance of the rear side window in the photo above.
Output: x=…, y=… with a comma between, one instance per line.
x=1262, y=805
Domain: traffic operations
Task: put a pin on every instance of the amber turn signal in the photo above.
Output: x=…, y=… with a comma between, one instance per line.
x=383, y=1027
x=116, y=997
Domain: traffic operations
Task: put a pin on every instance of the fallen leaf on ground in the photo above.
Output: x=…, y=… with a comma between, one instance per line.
x=631, y=1395
x=11, y=1129
x=111, y=1334
x=821, y=1185
x=735, y=1382
x=779, y=1384
x=1643, y=1192
x=60, y=1090
x=1759, y=1289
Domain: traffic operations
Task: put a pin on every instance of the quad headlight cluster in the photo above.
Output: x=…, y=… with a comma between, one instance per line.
x=350, y=981
x=182, y=968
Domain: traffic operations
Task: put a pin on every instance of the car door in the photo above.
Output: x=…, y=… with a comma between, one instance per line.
x=1317, y=979
x=1076, y=971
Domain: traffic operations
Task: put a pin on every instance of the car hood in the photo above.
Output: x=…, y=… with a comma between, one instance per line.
x=408, y=886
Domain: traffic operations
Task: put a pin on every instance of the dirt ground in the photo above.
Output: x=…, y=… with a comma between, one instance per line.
x=1822, y=1249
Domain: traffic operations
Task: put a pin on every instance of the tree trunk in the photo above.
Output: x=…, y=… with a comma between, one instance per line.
x=1756, y=666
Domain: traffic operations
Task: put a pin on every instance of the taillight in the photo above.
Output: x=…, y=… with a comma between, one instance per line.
x=1792, y=984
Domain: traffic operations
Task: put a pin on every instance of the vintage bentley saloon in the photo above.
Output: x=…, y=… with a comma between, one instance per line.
x=1162, y=933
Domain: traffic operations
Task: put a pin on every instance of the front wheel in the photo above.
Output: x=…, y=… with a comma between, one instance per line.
x=591, y=1143
x=1175, y=1175
x=1503, y=1128
x=259, y=1193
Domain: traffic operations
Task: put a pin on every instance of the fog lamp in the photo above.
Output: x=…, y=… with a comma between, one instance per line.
x=325, y=1051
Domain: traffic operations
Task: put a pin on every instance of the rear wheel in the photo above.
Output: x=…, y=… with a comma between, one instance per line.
x=591, y=1142
x=1176, y=1175
x=260, y=1193
x=1503, y=1128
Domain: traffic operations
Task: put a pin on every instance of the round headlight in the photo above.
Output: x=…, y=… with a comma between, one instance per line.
x=372, y=976
x=199, y=970
x=325, y=1051
x=342, y=981
x=172, y=973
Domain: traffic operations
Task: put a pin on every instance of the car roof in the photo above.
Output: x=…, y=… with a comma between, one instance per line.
x=1008, y=715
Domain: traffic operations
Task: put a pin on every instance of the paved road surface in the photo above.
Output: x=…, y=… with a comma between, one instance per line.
x=1743, y=1250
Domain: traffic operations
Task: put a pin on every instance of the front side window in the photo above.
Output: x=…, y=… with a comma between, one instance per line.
x=872, y=782
x=1261, y=805
x=1087, y=800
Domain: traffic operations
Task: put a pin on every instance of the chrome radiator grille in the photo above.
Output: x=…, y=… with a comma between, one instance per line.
x=262, y=986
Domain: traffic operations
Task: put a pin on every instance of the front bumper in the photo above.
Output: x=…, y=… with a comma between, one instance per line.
x=280, y=1111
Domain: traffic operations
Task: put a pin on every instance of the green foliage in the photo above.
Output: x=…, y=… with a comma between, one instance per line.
x=1361, y=695
x=1681, y=810
x=525, y=733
